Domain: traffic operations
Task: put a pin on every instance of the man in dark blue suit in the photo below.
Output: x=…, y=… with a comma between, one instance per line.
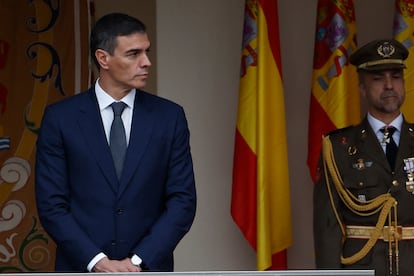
x=105, y=219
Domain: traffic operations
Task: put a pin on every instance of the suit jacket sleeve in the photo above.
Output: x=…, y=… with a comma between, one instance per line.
x=53, y=192
x=180, y=204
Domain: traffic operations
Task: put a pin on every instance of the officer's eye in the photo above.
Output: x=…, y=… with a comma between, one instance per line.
x=397, y=76
x=377, y=77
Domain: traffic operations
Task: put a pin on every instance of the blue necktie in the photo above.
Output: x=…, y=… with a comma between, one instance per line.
x=117, y=137
x=391, y=147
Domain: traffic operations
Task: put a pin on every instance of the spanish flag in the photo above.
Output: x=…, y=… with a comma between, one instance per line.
x=403, y=32
x=335, y=100
x=260, y=197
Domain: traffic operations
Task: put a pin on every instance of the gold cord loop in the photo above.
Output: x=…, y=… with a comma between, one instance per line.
x=382, y=204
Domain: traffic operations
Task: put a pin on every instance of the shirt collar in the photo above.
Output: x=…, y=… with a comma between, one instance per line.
x=377, y=124
x=105, y=100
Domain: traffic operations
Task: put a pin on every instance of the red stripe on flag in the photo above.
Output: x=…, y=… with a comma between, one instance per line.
x=321, y=125
x=270, y=10
x=279, y=261
x=243, y=207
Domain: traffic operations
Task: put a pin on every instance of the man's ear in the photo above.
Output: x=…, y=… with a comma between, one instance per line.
x=102, y=58
x=362, y=91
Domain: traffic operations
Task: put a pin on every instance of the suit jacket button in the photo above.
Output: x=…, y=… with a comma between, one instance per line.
x=113, y=243
x=119, y=211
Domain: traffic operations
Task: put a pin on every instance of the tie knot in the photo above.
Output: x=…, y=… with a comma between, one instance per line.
x=118, y=108
x=388, y=130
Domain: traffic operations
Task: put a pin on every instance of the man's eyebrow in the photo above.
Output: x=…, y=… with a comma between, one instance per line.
x=134, y=50
x=137, y=50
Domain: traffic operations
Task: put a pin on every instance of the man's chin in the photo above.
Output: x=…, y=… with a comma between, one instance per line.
x=139, y=84
x=394, y=108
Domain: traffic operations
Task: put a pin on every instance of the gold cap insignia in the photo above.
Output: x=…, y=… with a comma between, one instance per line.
x=386, y=50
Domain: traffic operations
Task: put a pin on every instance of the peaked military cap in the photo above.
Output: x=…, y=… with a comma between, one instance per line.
x=380, y=54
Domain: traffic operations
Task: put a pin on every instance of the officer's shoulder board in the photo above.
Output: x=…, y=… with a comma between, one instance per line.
x=340, y=131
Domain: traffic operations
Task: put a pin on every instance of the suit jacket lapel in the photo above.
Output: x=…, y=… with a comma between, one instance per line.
x=90, y=123
x=141, y=131
x=371, y=146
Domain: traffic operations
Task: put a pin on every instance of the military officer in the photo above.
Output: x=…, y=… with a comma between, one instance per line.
x=364, y=198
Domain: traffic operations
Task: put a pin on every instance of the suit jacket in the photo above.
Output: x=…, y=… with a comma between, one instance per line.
x=84, y=207
x=359, y=145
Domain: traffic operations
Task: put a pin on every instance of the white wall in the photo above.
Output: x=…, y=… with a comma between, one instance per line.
x=198, y=56
x=199, y=46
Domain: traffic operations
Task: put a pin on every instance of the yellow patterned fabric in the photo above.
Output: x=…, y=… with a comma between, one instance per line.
x=43, y=58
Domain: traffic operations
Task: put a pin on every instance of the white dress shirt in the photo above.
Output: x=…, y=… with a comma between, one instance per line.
x=376, y=125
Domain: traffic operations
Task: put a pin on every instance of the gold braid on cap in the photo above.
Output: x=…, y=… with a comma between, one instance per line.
x=380, y=62
x=383, y=204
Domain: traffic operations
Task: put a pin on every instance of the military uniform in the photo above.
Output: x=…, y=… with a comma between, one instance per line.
x=367, y=174
x=363, y=208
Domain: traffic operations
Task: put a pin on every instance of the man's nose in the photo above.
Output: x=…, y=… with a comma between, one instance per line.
x=388, y=82
x=145, y=62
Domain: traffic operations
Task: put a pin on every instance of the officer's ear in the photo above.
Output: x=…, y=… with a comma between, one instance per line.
x=362, y=90
x=361, y=84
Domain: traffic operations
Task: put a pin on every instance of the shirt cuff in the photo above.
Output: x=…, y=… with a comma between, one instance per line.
x=95, y=260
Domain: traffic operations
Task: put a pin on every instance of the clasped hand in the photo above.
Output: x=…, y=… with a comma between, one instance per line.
x=124, y=265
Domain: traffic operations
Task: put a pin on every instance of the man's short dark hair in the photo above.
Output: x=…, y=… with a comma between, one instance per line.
x=106, y=30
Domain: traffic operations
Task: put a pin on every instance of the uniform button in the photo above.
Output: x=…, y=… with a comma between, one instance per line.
x=360, y=184
x=119, y=211
x=113, y=243
x=394, y=183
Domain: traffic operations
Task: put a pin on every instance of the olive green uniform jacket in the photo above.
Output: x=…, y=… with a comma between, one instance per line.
x=366, y=173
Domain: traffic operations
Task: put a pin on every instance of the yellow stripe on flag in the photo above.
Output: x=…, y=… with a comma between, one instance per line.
x=273, y=198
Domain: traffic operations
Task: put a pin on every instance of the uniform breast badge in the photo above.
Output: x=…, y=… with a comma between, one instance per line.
x=352, y=150
x=411, y=131
x=409, y=170
x=361, y=164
